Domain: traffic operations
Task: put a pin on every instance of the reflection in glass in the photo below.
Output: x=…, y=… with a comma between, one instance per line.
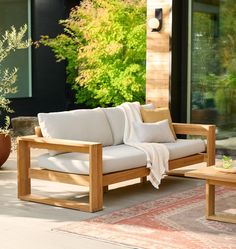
x=214, y=68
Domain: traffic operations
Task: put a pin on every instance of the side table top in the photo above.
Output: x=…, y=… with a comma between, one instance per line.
x=209, y=173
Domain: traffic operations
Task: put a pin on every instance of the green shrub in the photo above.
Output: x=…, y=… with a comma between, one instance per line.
x=10, y=41
x=104, y=44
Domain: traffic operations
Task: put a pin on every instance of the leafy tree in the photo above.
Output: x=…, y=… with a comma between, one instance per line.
x=10, y=42
x=214, y=58
x=228, y=36
x=206, y=61
x=104, y=44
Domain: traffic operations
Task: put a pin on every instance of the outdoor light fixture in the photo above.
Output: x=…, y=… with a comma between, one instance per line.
x=156, y=23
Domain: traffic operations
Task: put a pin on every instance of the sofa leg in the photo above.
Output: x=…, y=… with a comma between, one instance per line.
x=105, y=189
x=143, y=179
x=23, y=165
x=95, y=178
x=95, y=197
x=211, y=146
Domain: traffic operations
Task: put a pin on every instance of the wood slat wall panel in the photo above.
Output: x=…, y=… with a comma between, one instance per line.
x=160, y=103
x=159, y=67
x=158, y=56
x=159, y=84
x=158, y=75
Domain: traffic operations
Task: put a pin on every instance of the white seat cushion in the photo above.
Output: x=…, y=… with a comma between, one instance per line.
x=185, y=147
x=117, y=158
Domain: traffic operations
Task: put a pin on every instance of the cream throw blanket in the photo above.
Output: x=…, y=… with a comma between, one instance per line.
x=157, y=154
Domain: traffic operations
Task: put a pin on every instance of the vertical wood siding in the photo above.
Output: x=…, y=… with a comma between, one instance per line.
x=159, y=56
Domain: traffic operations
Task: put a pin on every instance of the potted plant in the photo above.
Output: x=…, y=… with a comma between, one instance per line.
x=10, y=41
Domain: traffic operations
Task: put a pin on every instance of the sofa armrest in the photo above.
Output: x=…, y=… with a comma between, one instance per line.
x=95, y=167
x=57, y=144
x=193, y=129
x=207, y=131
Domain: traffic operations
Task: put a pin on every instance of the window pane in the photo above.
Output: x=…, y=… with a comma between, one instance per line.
x=214, y=68
x=17, y=13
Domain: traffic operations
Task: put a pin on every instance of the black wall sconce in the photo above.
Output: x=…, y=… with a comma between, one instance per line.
x=156, y=23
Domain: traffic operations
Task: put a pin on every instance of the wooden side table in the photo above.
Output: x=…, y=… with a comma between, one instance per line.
x=213, y=178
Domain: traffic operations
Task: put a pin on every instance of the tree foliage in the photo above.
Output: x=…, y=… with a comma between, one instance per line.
x=104, y=44
x=214, y=58
x=228, y=36
x=10, y=42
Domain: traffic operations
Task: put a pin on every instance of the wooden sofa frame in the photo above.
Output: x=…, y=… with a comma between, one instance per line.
x=96, y=180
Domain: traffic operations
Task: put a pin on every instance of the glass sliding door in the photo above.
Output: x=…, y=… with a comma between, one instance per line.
x=213, y=68
x=17, y=13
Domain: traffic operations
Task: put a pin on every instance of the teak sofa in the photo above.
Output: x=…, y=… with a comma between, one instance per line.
x=97, y=164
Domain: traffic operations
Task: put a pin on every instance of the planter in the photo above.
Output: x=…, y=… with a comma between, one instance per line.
x=5, y=148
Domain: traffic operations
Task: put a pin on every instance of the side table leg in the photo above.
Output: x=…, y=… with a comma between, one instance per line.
x=210, y=200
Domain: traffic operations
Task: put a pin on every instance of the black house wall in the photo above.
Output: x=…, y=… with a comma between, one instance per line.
x=49, y=89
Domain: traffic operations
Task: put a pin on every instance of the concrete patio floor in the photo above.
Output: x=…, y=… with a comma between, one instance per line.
x=25, y=225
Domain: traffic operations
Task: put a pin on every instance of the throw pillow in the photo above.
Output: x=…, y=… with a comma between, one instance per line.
x=158, y=114
x=158, y=132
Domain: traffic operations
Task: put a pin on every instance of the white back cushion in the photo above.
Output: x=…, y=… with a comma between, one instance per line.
x=84, y=125
x=116, y=119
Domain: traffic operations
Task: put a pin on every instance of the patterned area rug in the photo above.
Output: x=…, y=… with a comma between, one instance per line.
x=173, y=222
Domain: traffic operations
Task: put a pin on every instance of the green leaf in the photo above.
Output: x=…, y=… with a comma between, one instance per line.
x=104, y=44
